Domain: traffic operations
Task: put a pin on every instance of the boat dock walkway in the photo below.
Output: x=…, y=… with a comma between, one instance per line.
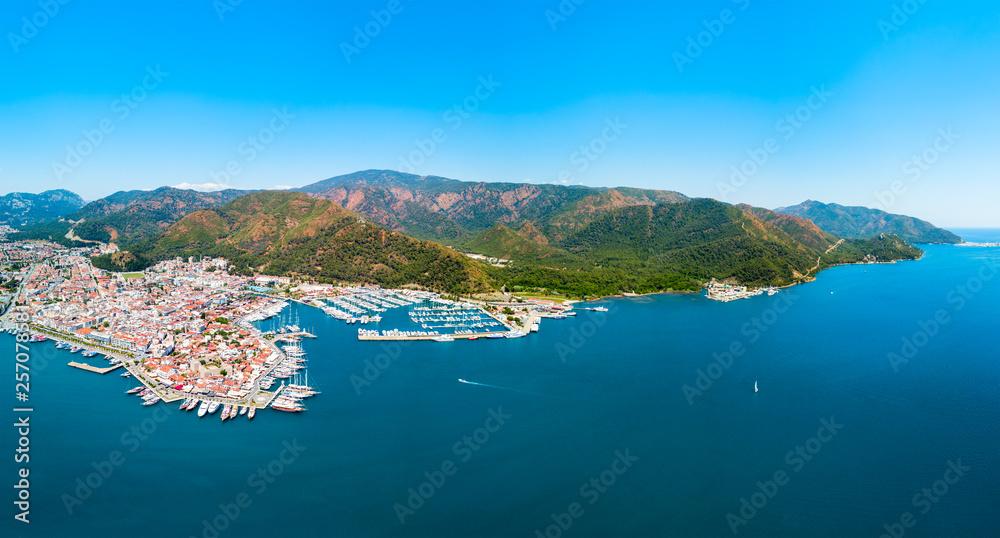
x=90, y=368
x=532, y=319
x=425, y=337
x=274, y=395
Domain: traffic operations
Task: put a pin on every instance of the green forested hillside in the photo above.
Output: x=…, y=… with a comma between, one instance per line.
x=502, y=242
x=449, y=211
x=575, y=240
x=283, y=233
x=855, y=222
x=680, y=246
x=135, y=216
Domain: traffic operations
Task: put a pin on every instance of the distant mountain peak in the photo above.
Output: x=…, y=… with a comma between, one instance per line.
x=22, y=209
x=856, y=222
x=449, y=210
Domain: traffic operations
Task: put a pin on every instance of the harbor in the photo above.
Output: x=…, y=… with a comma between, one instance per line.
x=160, y=385
x=724, y=292
x=189, y=332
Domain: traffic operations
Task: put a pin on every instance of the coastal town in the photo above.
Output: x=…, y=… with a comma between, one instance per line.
x=184, y=330
x=178, y=328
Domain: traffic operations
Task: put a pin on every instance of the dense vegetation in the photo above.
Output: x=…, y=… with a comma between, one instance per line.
x=281, y=233
x=884, y=248
x=135, y=216
x=678, y=247
x=448, y=211
x=502, y=242
x=54, y=231
x=129, y=217
x=573, y=240
x=121, y=262
x=853, y=222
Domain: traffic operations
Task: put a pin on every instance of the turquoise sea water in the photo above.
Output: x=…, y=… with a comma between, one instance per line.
x=591, y=398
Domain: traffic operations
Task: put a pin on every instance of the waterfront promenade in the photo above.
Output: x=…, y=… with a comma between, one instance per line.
x=256, y=397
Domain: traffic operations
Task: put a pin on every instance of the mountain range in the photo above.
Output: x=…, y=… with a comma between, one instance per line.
x=390, y=228
x=21, y=209
x=451, y=211
x=289, y=233
x=855, y=222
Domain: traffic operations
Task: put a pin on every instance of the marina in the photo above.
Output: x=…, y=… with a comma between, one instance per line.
x=233, y=365
x=282, y=364
x=723, y=292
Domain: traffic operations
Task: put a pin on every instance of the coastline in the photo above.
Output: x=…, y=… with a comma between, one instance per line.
x=780, y=287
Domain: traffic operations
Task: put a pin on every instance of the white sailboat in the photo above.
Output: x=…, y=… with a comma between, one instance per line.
x=755, y=385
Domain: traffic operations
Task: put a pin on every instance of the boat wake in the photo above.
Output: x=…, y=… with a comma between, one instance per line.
x=498, y=387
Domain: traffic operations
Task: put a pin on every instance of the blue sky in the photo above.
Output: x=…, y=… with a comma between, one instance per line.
x=878, y=103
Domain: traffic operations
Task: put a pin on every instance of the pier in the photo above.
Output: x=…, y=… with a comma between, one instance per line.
x=428, y=336
x=272, y=396
x=532, y=319
x=55, y=336
x=95, y=369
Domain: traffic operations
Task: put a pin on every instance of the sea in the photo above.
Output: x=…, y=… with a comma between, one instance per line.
x=865, y=403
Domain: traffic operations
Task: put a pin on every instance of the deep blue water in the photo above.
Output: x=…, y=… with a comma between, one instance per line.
x=578, y=393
